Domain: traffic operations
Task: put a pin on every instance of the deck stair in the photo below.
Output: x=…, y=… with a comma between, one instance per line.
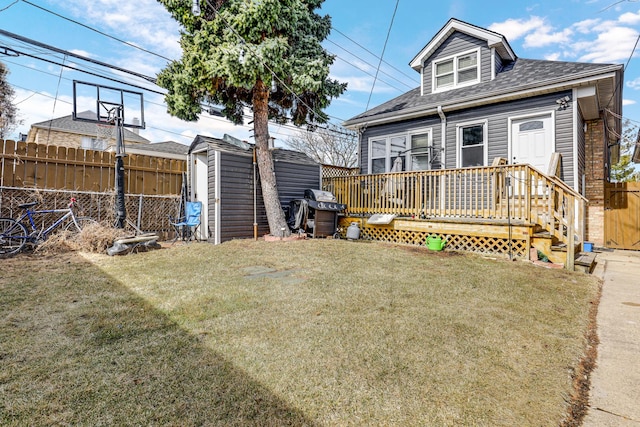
x=556, y=252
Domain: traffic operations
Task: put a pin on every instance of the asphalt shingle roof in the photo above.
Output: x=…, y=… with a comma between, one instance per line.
x=245, y=149
x=170, y=147
x=522, y=75
x=67, y=124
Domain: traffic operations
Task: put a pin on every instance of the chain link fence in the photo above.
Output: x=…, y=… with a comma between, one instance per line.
x=147, y=213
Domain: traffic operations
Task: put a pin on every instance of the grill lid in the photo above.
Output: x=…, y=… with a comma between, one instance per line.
x=319, y=195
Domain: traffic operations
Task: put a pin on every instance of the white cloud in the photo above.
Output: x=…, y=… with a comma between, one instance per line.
x=545, y=36
x=630, y=18
x=514, y=29
x=626, y=102
x=612, y=45
x=589, y=40
x=535, y=31
x=634, y=84
x=586, y=26
x=145, y=21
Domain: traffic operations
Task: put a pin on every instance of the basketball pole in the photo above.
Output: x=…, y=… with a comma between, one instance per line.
x=121, y=210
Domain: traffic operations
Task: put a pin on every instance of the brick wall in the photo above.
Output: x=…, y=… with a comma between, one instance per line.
x=595, y=179
x=54, y=137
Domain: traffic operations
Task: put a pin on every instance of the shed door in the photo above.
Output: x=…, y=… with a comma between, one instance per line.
x=201, y=192
x=532, y=141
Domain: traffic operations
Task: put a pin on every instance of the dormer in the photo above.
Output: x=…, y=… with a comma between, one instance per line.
x=461, y=55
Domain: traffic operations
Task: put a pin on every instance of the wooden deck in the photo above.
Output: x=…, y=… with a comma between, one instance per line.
x=492, y=210
x=495, y=237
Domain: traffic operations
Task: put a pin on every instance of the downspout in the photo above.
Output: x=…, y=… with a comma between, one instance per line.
x=443, y=142
x=443, y=135
x=255, y=197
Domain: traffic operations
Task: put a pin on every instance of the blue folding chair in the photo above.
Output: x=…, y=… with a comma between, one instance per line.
x=187, y=225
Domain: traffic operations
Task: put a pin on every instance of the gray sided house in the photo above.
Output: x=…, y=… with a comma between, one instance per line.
x=478, y=101
x=223, y=177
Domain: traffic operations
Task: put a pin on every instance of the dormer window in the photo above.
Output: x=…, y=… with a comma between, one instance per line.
x=456, y=71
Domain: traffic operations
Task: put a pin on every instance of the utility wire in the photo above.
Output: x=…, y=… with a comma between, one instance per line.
x=94, y=30
x=366, y=72
x=74, y=55
x=110, y=66
x=7, y=7
x=393, y=17
x=234, y=31
x=412, y=78
x=357, y=67
x=86, y=72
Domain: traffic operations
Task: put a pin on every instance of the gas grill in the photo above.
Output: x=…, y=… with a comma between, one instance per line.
x=316, y=214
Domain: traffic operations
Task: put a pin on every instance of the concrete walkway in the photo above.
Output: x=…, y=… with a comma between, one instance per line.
x=615, y=382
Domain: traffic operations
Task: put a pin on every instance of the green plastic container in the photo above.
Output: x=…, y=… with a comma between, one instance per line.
x=435, y=243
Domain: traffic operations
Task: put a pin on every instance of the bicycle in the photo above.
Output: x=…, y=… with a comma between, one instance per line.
x=14, y=235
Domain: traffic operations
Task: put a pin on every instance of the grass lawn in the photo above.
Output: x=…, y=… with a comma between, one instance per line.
x=318, y=332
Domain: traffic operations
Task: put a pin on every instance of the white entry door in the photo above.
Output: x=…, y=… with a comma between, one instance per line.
x=532, y=141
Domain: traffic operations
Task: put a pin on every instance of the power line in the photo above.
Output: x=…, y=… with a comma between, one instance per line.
x=74, y=55
x=93, y=29
x=28, y=41
x=355, y=66
x=375, y=55
x=393, y=17
x=87, y=72
x=7, y=7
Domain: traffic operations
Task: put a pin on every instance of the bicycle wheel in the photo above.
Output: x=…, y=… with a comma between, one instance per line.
x=13, y=236
x=80, y=223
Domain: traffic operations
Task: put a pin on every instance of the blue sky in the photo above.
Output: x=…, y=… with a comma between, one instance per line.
x=603, y=31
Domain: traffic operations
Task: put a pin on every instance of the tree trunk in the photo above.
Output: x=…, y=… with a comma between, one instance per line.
x=275, y=216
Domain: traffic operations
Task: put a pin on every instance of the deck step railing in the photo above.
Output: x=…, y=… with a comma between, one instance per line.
x=517, y=193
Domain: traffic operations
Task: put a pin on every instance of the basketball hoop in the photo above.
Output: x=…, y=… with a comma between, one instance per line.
x=105, y=133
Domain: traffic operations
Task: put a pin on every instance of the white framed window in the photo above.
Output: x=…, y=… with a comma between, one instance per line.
x=455, y=71
x=472, y=144
x=419, y=156
x=401, y=152
x=89, y=143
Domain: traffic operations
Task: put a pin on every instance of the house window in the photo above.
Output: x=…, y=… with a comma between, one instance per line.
x=460, y=70
x=378, y=156
x=419, y=154
x=94, y=143
x=384, y=152
x=444, y=74
x=403, y=152
x=472, y=143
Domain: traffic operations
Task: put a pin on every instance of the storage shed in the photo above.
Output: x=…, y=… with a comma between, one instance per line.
x=223, y=178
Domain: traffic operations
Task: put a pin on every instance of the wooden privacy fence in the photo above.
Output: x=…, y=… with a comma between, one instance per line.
x=149, y=213
x=34, y=165
x=622, y=215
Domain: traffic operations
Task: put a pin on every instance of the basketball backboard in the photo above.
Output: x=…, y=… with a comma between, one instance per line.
x=103, y=104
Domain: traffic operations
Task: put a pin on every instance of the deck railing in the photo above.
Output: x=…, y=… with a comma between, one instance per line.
x=517, y=193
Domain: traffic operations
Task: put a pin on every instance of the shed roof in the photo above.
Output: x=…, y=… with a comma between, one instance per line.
x=246, y=149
